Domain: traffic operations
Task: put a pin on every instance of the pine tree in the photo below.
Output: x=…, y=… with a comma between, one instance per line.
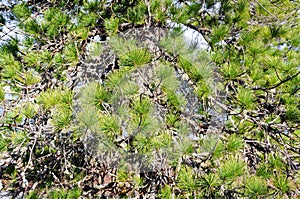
x=107, y=99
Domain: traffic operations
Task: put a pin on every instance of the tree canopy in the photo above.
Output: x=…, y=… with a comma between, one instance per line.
x=107, y=99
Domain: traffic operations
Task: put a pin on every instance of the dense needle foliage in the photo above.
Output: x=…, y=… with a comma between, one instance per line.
x=162, y=119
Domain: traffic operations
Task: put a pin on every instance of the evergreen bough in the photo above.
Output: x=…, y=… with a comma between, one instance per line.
x=58, y=142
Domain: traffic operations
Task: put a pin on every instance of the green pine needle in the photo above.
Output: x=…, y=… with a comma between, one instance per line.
x=234, y=143
x=256, y=186
x=230, y=169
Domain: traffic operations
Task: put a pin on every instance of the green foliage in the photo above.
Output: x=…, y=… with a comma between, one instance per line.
x=14, y=116
x=165, y=192
x=52, y=98
x=174, y=43
x=297, y=178
x=29, y=110
x=209, y=143
x=95, y=49
x=137, y=14
x=256, y=73
x=209, y=184
x=94, y=94
x=115, y=79
x=31, y=58
x=187, y=180
x=27, y=42
x=58, y=59
x=203, y=90
x=130, y=88
x=2, y=94
x=136, y=57
x=246, y=98
x=143, y=144
x=180, y=14
x=256, y=186
x=172, y=119
x=231, y=169
x=176, y=101
x=158, y=8
x=141, y=106
x=123, y=173
x=119, y=86
x=18, y=138
x=71, y=53
x=218, y=150
x=219, y=33
x=31, y=26
x=3, y=144
x=67, y=97
x=196, y=65
x=53, y=21
x=231, y=71
x=234, y=143
x=49, y=98
x=293, y=113
x=61, y=117
x=185, y=147
x=28, y=78
x=45, y=57
x=275, y=162
x=89, y=119
x=111, y=26
x=163, y=140
x=56, y=17
x=74, y=193
x=250, y=69
x=21, y=10
x=281, y=183
x=123, y=46
x=129, y=52
x=10, y=67
x=109, y=125
x=10, y=47
x=167, y=78
x=264, y=170
x=32, y=195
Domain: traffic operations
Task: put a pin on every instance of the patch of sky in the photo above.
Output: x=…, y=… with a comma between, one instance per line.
x=191, y=37
x=9, y=94
x=194, y=38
